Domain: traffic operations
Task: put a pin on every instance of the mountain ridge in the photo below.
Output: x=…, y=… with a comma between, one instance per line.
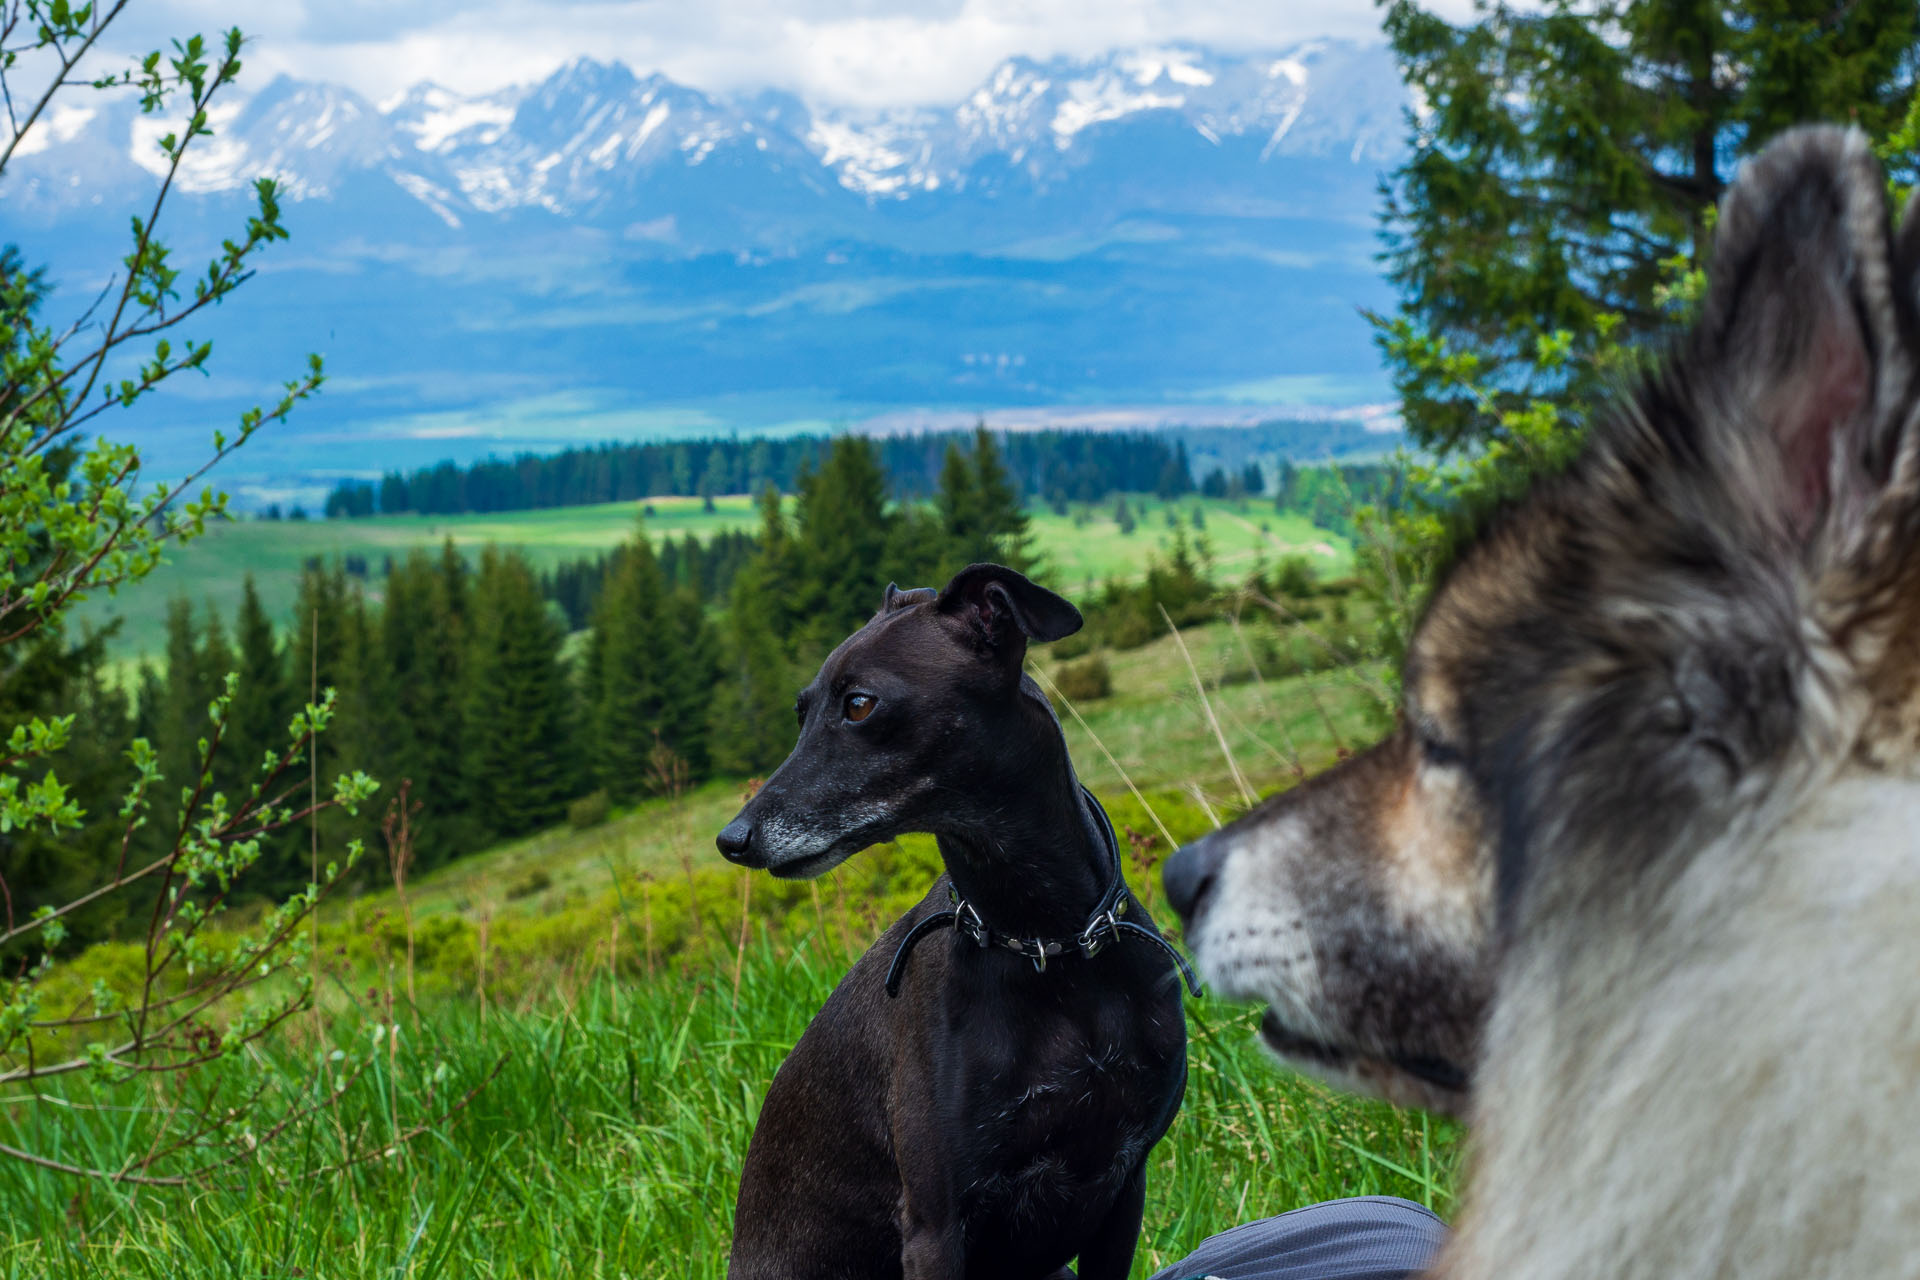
x=592, y=138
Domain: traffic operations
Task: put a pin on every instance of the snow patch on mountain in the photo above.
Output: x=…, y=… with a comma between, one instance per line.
x=439, y=120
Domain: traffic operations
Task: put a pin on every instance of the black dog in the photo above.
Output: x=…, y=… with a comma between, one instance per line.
x=994, y=1121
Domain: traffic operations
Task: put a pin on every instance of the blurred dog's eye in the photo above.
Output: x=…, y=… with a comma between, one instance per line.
x=860, y=706
x=1439, y=751
x=800, y=711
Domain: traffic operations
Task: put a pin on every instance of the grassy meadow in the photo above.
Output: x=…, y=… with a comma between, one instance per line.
x=545, y=1059
x=1086, y=546
x=211, y=569
x=1078, y=550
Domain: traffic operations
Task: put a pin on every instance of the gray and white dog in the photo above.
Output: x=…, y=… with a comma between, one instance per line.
x=1635, y=884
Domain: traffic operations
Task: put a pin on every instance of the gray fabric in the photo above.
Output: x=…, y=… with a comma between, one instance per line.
x=1364, y=1238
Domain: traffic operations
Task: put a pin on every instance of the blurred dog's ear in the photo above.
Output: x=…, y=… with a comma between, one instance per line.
x=1805, y=339
x=1005, y=609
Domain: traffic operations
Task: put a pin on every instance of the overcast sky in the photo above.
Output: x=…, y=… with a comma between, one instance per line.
x=876, y=52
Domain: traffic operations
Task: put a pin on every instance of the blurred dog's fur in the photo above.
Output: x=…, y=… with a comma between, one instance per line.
x=1636, y=881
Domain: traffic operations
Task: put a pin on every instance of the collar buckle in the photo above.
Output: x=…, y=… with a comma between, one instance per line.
x=1100, y=930
x=967, y=921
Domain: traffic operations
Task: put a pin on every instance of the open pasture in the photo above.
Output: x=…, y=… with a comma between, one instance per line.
x=1077, y=551
x=211, y=569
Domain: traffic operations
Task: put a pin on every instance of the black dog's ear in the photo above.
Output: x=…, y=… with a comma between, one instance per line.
x=898, y=599
x=1006, y=608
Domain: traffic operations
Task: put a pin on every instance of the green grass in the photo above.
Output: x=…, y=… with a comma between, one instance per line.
x=1080, y=549
x=1085, y=547
x=1154, y=728
x=609, y=1143
x=600, y=1012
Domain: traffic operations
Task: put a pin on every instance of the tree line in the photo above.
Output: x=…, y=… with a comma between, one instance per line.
x=463, y=678
x=706, y=569
x=1059, y=466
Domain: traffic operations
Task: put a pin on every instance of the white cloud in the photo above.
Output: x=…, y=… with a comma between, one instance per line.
x=872, y=52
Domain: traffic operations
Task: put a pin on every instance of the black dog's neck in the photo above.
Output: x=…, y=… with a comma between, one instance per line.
x=1038, y=868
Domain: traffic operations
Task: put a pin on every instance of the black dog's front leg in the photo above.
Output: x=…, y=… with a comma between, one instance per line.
x=1110, y=1254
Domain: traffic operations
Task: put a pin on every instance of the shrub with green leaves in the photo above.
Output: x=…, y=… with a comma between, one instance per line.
x=170, y=848
x=589, y=810
x=1087, y=680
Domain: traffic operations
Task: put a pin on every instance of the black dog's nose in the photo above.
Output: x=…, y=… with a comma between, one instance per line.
x=1191, y=871
x=735, y=840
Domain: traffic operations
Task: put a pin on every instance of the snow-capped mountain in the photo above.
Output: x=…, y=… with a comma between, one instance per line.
x=1319, y=100
x=609, y=254
x=596, y=142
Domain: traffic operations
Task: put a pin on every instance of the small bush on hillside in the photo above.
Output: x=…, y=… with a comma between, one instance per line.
x=589, y=810
x=1084, y=681
x=1294, y=576
x=534, y=881
x=1131, y=625
x=1127, y=616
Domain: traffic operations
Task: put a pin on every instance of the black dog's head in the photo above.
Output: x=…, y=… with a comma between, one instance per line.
x=915, y=723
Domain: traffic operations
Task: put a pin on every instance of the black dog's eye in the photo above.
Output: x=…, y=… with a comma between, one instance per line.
x=860, y=706
x=800, y=711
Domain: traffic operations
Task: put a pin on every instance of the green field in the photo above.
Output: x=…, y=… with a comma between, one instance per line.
x=1081, y=548
x=615, y=1000
x=1085, y=547
x=211, y=569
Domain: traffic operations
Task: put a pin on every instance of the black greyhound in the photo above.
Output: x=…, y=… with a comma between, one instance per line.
x=994, y=1120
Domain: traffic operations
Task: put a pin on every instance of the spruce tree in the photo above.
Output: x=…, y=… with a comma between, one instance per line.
x=181, y=716
x=750, y=729
x=1566, y=155
x=149, y=701
x=839, y=569
x=367, y=721
x=317, y=644
x=319, y=662
x=231, y=774
x=262, y=707
x=323, y=654
x=751, y=723
x=958, y=503
x=1004, y=535
x=517, y=703
x=630, y=669
x=422, y=636
x=691, y=670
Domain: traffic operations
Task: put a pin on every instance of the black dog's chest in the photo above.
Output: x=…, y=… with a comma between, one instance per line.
x=1062, y=1105
x=1060, y=1133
